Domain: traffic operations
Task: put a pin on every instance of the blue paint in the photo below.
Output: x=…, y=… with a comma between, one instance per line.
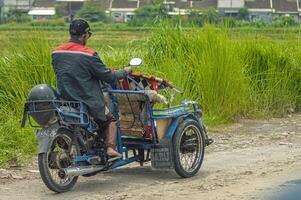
x=172, y=127
x=124, y=162
x=171, y=112
x=82, y=158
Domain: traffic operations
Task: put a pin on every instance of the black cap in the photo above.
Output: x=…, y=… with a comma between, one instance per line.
x=79, y=27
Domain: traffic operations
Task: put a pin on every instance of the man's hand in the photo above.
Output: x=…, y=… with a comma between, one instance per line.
x=128, y=70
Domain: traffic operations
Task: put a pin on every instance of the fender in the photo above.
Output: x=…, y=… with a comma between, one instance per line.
x=173, y=127
x=45, y=137
x=175, y=123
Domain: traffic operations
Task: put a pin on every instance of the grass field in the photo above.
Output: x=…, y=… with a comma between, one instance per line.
x=232, y=72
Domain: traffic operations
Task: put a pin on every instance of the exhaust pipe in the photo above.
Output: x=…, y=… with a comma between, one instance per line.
x=78, y=171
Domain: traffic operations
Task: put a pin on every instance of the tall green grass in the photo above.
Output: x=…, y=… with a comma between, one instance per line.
x=274, y=71
x=26, y=62
x=230, y=77
x=204, y=63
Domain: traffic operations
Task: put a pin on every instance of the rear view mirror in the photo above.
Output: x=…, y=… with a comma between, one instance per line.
x=135, y=62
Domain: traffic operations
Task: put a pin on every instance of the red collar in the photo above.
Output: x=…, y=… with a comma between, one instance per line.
x=74, y=47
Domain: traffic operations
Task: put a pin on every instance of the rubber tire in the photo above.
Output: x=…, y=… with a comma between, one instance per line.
x=46, y=177
x=176, y=139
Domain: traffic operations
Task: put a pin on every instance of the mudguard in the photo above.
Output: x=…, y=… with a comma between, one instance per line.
x=162, y=155
x=173, y=127
x=175, y=123
x=45, y=137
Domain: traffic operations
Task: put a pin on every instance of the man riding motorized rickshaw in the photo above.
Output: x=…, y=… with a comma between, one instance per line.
x=80, y=73
x=83, y=132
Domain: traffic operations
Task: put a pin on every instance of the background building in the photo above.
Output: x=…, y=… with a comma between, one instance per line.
x=123, y=10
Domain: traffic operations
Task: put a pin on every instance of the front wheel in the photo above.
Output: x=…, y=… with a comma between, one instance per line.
x=58, y=156
x=188, y=148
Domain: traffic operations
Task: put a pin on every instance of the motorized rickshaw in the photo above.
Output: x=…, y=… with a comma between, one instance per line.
x=71, y=143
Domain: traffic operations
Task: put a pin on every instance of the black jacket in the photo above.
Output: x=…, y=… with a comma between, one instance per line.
x=79, y=71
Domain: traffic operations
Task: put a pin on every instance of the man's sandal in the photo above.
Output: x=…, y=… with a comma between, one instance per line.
x=113, y=157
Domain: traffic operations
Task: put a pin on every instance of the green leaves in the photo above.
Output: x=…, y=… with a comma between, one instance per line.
x=93, y=11
x=229, y=77
x=25, y=64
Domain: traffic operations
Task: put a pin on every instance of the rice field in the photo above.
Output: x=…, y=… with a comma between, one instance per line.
x=231, y=73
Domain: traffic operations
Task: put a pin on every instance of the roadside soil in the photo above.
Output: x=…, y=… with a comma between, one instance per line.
x=248, y=160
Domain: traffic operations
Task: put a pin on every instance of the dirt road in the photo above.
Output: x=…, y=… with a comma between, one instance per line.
x=247, y=161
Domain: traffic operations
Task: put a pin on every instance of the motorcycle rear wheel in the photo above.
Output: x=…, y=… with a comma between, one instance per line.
x=55, y=159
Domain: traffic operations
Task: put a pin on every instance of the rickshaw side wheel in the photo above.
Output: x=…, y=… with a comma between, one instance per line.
x=188, y=148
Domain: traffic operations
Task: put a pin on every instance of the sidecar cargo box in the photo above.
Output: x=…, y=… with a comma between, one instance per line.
x=134, y=112
x=133, y=115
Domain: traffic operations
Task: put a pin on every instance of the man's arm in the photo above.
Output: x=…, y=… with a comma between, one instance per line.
x=101, y=72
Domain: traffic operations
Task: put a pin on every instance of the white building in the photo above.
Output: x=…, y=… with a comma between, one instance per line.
x=42, y=9
x=230, y=3
x=42, y=13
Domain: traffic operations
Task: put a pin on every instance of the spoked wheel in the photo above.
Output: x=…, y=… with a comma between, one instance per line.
x=188, y=148
x=59, y=156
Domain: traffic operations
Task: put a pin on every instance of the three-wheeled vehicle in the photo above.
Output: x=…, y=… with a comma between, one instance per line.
x=71, y=144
